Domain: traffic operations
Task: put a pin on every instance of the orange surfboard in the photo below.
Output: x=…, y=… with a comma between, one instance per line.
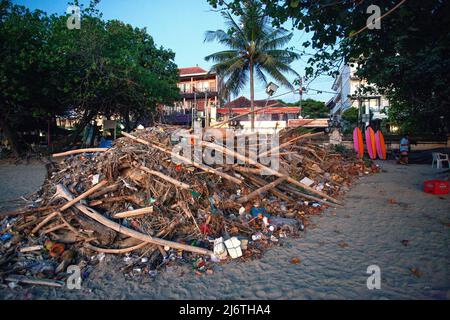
x=358, y=143
x=381, y=145
x=370, y=143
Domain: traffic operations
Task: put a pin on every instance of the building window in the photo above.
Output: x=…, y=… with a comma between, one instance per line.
x=374, y=104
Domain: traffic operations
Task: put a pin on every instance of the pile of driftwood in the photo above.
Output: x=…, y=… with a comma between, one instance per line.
x=135, y=198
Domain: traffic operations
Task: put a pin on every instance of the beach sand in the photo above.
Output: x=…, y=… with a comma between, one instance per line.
x=380, y=212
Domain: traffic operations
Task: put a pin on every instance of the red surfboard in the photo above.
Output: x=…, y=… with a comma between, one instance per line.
x=358, y=143
x=370, y=143
x=381, y=145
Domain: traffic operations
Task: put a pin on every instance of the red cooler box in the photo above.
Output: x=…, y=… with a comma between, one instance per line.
x=436, y=187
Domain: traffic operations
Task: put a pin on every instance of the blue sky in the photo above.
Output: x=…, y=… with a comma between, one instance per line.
x=180, y=25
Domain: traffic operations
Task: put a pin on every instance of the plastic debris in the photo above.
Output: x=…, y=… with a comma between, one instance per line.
x=234, y=247
x=6, y=237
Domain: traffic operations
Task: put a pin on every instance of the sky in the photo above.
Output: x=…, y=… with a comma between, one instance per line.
x=180, y=25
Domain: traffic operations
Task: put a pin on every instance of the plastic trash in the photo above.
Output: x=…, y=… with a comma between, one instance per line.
x=257, y=211
x=95, y=179
x=219, y=248
x=101, y=256
x=196, y=194
x=320, y=187
x=301, y=227
x=234, y=247
x=215, y=258
x=57, y=249
x=104, y=143
x=244, y=244
x=6, y=237
x=242, y=211
x=12, y=285
x=257, y=236
x=212, y=202
x=307, y=181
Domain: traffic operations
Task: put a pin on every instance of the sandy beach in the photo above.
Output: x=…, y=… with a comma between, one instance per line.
x=387, y=221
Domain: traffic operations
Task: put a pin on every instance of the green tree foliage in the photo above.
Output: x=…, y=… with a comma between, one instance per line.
x=312, y=109
x=408, y=58
x=350, y=119
x=254, y=50
x=104, y=68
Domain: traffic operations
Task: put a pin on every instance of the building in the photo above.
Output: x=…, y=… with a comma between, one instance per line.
x=274, y=114
x=200, y=91
x=346, y=86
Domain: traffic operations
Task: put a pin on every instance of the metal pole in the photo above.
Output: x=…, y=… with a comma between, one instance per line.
x=301, y=95
x=206, y=110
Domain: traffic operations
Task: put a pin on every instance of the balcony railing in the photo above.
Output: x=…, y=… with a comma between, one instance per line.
x=198, y=90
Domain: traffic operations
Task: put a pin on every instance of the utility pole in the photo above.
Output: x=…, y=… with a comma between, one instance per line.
x=206, y=110
x=301, y=95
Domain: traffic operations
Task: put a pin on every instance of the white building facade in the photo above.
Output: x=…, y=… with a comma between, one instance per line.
x=346, y=86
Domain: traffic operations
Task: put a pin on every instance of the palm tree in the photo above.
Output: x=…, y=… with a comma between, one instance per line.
x=254, y=48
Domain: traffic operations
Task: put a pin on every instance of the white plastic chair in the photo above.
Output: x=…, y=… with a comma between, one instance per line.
x=438, y=158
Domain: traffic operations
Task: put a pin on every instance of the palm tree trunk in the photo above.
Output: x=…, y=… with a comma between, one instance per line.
x=252, y=96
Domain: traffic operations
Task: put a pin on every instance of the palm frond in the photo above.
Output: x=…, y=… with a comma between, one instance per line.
x=224, y=38
x=223, y=56
x=260, y=75
x=276, y=40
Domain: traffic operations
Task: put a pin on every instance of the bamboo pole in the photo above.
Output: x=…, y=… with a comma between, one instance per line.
x=261, y=183
x=284, y=145
x=115, y=251
x=175, y=182
x=30, y=249
x=72, y=152
x=261, y=190
x=44, y=222
x=84, y=195
x=133, y=213
x=40, y=282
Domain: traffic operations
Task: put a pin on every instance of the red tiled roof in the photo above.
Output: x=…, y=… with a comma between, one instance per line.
x=243, y=102
x=271, y=110
x=192, y=70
